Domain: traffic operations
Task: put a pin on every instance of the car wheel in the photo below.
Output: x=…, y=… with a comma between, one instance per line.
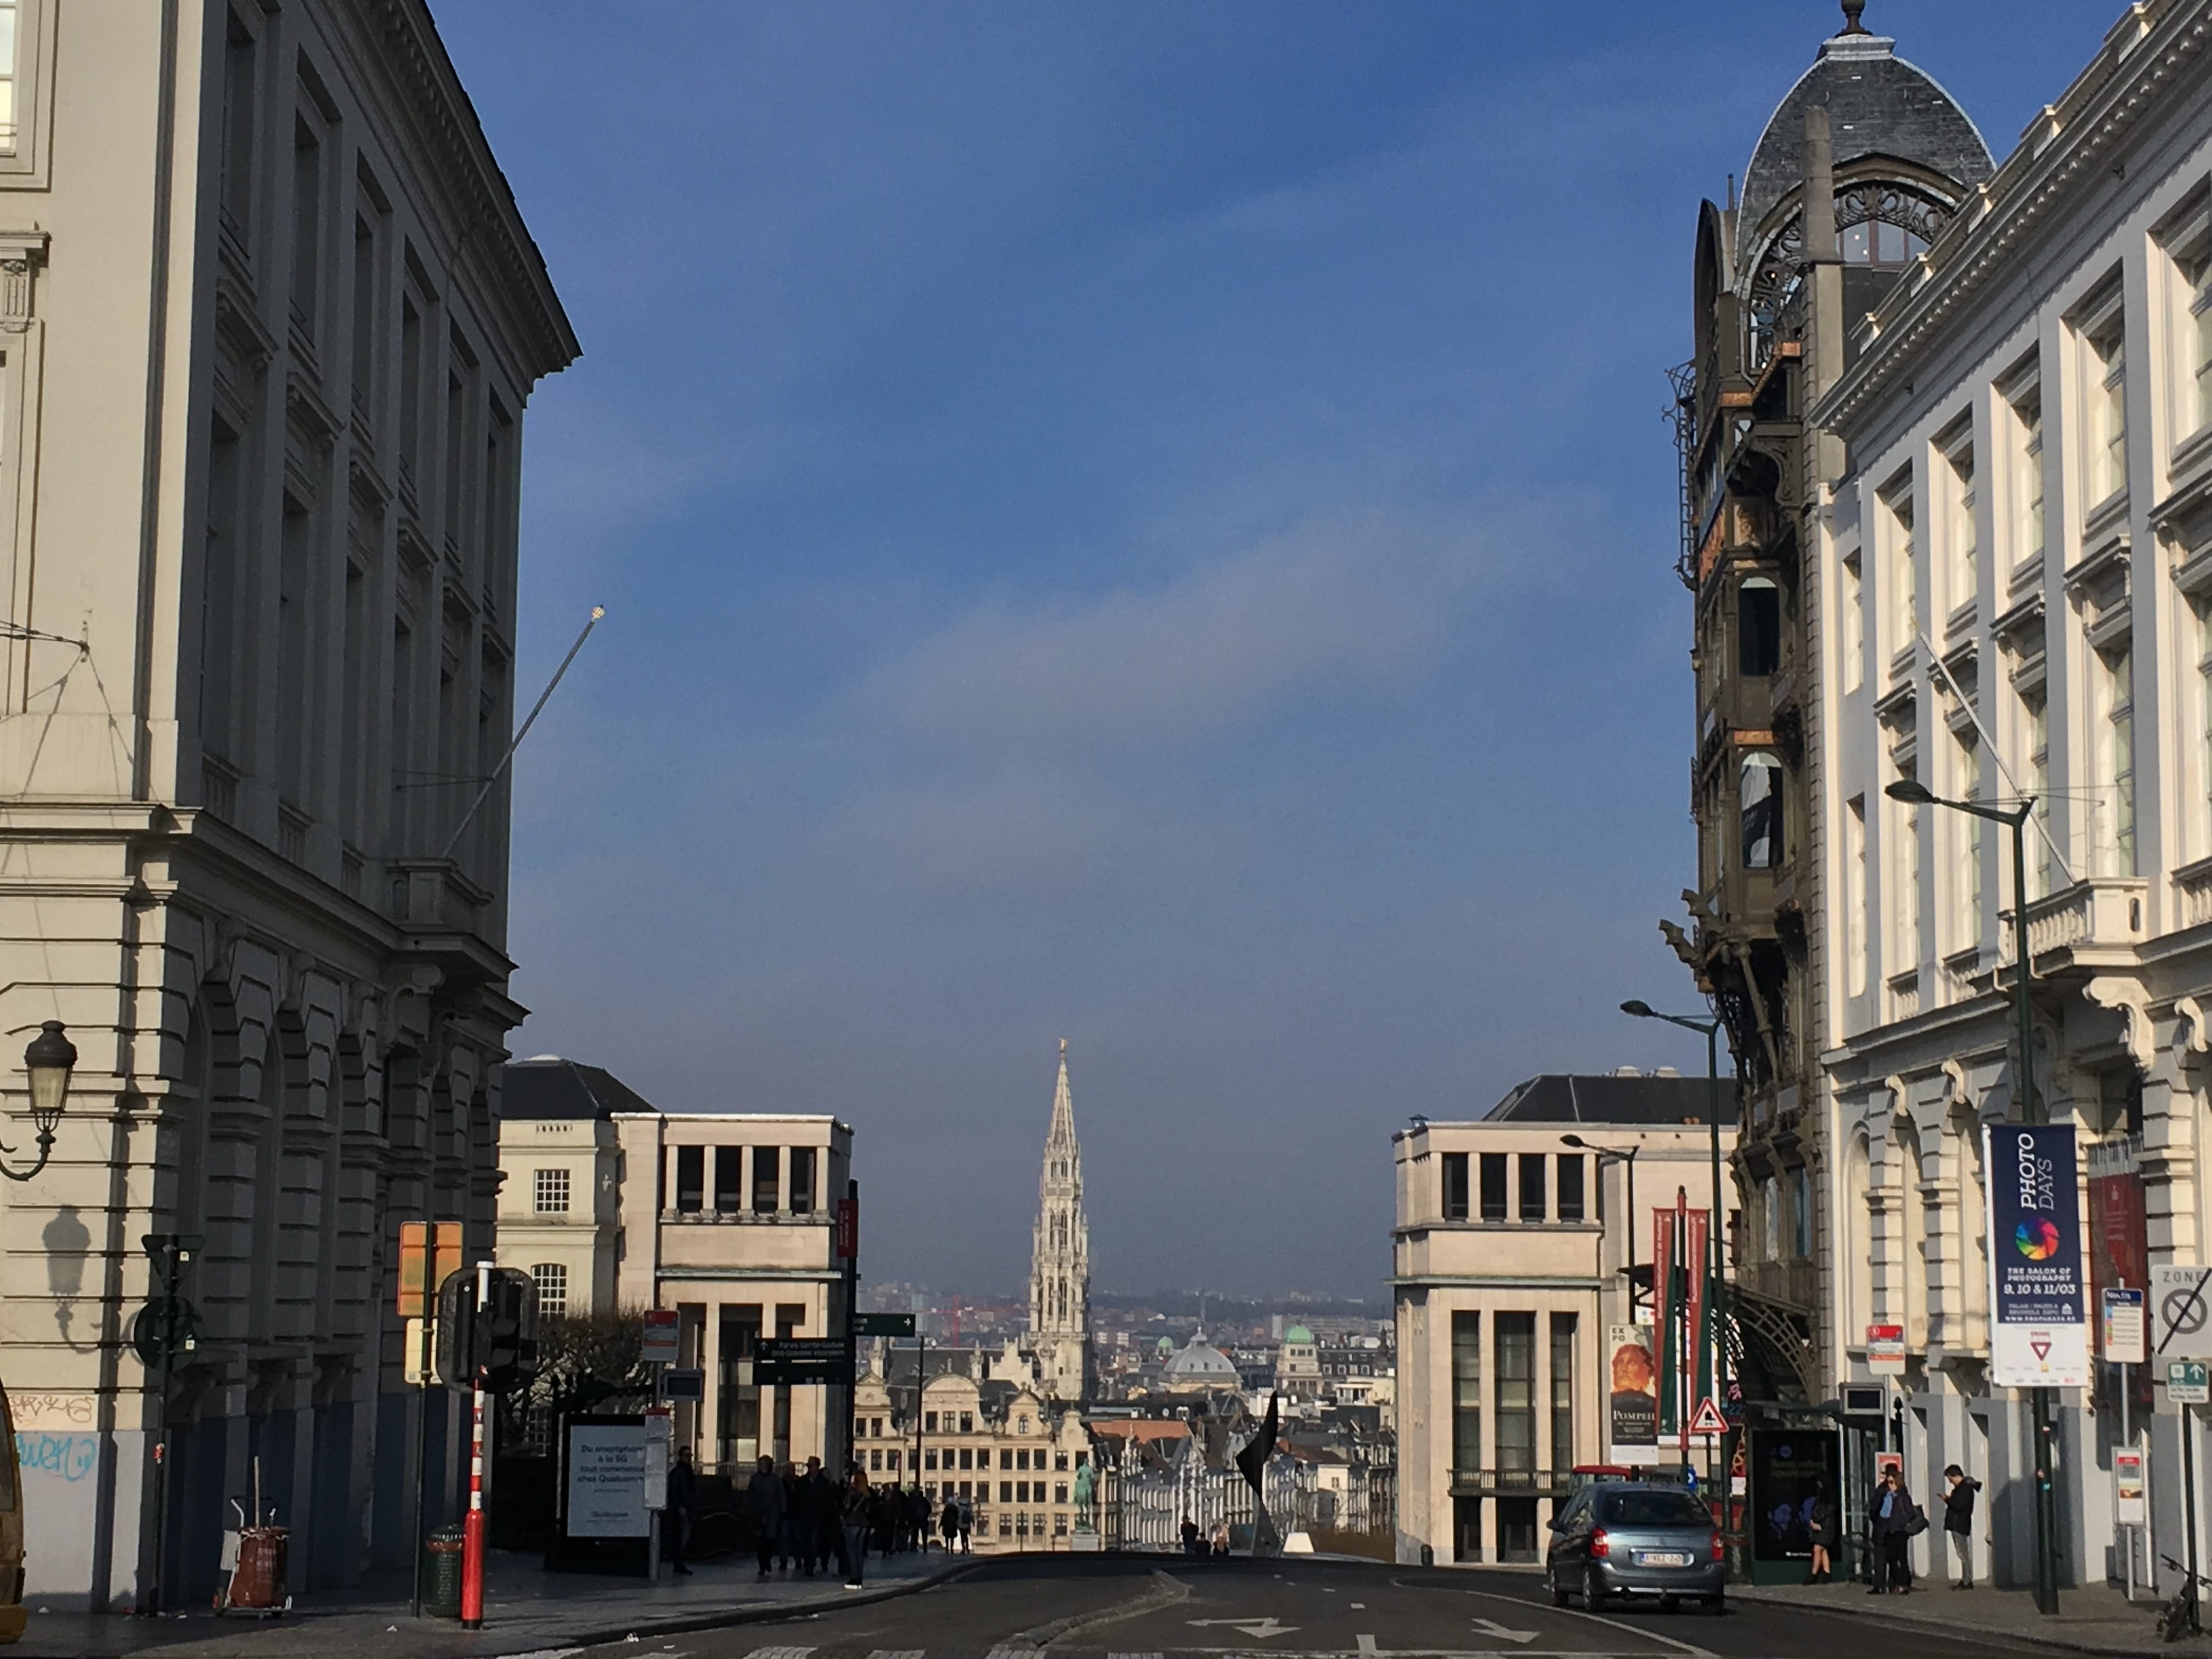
x=1559, y=1590
x=1593, y=1590
x=1716, y=1604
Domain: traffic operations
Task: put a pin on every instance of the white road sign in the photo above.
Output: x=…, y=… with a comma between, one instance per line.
x=2181, y=1313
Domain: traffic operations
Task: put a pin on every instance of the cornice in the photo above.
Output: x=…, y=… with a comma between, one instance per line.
x=2087, y=122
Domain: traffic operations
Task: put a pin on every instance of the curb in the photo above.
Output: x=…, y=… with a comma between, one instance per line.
x=1888, y=1614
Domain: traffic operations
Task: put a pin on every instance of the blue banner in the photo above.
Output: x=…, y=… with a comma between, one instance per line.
x=2039, y=1295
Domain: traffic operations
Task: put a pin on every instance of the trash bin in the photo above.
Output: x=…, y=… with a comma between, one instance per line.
x=441, y=1573
x=257, y=1584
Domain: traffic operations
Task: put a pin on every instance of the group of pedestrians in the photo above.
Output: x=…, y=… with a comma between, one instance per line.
x=1895, y=1521
x=805, y=1520
x=1195, y=1542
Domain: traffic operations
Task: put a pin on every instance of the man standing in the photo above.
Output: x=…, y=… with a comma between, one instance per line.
x=1958, y=1520
x=764, y=1501
x=675, y=1521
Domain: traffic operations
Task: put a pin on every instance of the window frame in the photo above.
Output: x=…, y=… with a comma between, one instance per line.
x=543, y=1180
x=28, y=164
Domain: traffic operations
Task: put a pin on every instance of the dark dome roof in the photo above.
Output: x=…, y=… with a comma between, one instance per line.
x=1878, y=104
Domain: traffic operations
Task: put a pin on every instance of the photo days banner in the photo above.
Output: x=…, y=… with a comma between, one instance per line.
x=2039, y=1301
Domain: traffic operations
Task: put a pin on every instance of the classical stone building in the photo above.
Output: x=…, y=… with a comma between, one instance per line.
x=561, y=1170
x=1884, y=157
x=269, y=320
x=1058, y=1342
x=1510, y=1258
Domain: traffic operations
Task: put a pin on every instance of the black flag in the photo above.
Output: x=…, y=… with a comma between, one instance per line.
x=1252, y=1459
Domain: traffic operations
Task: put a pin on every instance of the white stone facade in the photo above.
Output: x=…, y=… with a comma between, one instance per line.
x=269, y=320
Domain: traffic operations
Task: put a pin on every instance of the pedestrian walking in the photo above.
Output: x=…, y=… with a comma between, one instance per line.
x=675, y=1516
x=1958, y=1520
x=764, y=1501
x=967, y=1527
x=856, y=1526
x=1821, y=1524
x=796, y=1548
x=825, y=1516
x=1220, y=1539
x=1189, y=1536
x=949, y=1523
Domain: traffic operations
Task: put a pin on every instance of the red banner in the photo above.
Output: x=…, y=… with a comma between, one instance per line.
x=848, y=1228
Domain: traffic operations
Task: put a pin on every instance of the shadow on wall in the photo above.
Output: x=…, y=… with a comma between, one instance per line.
x=68, y=1247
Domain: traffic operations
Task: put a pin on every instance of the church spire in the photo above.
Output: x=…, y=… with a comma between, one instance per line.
x=1059, y=1260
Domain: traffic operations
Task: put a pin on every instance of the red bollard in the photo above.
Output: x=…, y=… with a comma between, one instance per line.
x=472, y=1529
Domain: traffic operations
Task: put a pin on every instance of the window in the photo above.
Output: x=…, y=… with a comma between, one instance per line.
x=2196, y=272
x=690, y=1179
x=1967, y=827
x=1854, y=625
x=552, y=1192
x=1532, y=1187
x=1022, y=1454
x=768, y=1178
x=1901, y=571
x=2117, y=739
x=1878, y=242
x=1759, y=809
x=1006, y=1458
x=552, y=1281
x=2035, y=712
x=1571, y=1187
x=802, y=1180
x=1801, y=1213
x=1758, y=627
x=2026, y=472
x=1454, y=1174
x=1854, y=834
x=1493, y=1186
x=1515, y=1387
x=1466, y=1390
x=1904, y=901
x=239, y=123
x=307, y=222
x=967, y=1426
x=1958, y=533
x=2106, y=387
x=875, y=1459
x=729, y=1179
x=1563, y=1391
x=2204, y=719
x=929, y=1424
x=1770, y=1216
x=1005, y=1496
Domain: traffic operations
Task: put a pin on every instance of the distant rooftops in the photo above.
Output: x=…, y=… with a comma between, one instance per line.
x=546, y=1087
x=1625, y=1096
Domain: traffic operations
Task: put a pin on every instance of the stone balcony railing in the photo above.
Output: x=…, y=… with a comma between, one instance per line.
x=2104, y=913
x=2192, y=888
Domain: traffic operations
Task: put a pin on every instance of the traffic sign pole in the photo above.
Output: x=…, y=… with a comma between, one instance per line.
x=472, y=1530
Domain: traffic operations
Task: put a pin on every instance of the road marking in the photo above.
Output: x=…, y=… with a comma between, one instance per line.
x=1261, y=1627
x=1135, y=1655
x=1367, y=1643
x=1643, y=1633
x=1358, y=1606
x=898, y=1653
x=779, y=1653
x=1491, y=1627
x=1011, y=1653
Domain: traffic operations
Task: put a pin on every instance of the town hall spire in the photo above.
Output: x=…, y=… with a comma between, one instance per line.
x=1059, y=1258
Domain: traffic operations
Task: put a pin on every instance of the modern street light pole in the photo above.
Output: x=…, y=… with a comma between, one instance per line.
x=1617, y=1156
x=2030, y=1110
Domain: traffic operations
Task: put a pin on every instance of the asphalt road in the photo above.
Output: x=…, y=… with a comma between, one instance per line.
x=1139, y=1608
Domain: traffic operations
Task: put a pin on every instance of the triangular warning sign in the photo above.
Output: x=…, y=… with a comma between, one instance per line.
x=1709, y=1419
x=2041, y=1346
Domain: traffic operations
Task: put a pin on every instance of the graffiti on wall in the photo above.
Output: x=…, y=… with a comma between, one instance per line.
x=72, y=1456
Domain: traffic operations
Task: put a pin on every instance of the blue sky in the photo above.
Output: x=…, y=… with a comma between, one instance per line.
x=1144, y=523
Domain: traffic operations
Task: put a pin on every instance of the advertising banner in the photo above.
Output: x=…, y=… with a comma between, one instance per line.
x=1632, y=1406
x=2039, y=1301
x=606, y=1480
x=1789, y=1472
x=1663, y=1354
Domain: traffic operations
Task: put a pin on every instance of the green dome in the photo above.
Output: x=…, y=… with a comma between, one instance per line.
x=1298, y=1333
x=1167, y=1345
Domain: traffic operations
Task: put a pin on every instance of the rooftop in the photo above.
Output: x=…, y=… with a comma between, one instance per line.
x=546, y=1087
x=1618, y=1098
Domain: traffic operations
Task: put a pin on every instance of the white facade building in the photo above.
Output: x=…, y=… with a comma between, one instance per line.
x=2011, y=558
x=269, y=318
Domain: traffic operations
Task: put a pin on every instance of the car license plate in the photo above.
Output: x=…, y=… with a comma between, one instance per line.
x=1662, y=1558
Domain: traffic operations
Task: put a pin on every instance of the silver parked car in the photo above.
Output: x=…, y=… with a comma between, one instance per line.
x=1630, y=1538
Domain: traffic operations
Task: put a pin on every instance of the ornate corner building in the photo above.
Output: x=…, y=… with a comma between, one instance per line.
x=1860, y=168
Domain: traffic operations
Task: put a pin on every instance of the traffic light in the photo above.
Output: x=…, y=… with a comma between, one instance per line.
x=497, y=1339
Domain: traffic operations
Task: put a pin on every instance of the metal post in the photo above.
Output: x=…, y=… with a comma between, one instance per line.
x=472, y=1529
x=2189, y=1503
x=921, y=1381
x=852, y=1338
x=162, y=1453
x=2046, y=1497
x=1631, y=1160
x=1715, y=1297
x=2127, y=1439
x=423, y=1439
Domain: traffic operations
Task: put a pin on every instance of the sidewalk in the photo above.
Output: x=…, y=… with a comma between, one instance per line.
x=527, y=1610
x=2095, y=1619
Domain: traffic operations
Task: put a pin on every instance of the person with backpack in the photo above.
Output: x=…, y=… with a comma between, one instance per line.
x=1958, y=1520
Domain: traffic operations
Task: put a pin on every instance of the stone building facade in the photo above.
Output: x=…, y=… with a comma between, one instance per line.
x=269, y=321
x=561, y=1170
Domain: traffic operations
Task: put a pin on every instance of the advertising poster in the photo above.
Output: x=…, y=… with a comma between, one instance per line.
x=2038, y=1298
x=1790, y=1471
x=606, y=1480
x=1632, y=1406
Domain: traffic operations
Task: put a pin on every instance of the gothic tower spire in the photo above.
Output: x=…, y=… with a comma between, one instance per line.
x=1060, y=1256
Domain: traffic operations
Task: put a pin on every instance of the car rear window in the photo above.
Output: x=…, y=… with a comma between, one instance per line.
x=1652, y=1509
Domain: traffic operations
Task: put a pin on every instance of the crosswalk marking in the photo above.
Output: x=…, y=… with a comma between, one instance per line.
x=898, y=1653
x=1011, y=1653
x=1133, y=1655
x=779, y=1653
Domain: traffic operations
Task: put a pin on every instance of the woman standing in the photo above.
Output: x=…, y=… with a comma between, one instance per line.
x=1821, y=1524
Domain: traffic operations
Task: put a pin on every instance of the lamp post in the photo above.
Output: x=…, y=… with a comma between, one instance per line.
x=2027, y=1109
x=1710, y=1030
x=1603, y=1153
x=50, y=1058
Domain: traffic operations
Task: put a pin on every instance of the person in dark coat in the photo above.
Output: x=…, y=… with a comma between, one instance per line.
x=1892, y=1528
x=1821, y=1527
x=676, y=1519
x=764, y=1508
x=948, y=1521
x=1958, y=1520
x=857, y=1506
x=825, y=1514
x=797, y=1546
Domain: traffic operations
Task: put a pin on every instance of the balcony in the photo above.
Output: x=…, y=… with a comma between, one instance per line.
x=2192, y=886
x=442, y=914
x=1512, y=1483
x=2094, y=923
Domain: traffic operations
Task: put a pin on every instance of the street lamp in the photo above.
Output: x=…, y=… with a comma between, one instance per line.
x=49, y=1059
x=1629, y=1158
x=2028, y=1110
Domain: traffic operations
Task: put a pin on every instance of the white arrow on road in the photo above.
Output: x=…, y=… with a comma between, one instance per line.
x=1491, y=1627
x=1266, y=1627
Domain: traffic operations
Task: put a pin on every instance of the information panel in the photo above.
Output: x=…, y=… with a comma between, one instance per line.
x=606, y=1479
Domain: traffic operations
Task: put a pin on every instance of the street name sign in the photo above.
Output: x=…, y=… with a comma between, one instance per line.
x=883, y=1324
x=2181, y=1312
x=784, y=1362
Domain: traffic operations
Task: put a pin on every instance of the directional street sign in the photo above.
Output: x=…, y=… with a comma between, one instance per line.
x=2188, y=1382
x=785, y=1362
x=883, y=1324
x=2181, y=1313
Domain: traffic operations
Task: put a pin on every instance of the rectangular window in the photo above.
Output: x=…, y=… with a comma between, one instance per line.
x=1958, y=534
x=1801, y=1213
x=2106, y=387
x=768, y=1179
x=1902, y=571
x=1563, y=1391
x=967, y=1458
x=1454, y=1176
x=1905, y=897
x=1854, y=625
x=729, y=1179
x=1967, y=827
x=929, y=1425
x=1531, y=1186
x=2119, y=806
x=690, y=1179
x=552, y=1192
x=1571, y=1187
x=2197, y=272
x=2026, y=473
x=2204, y=719
x=2035, y=707
x=802, y=1180
x=1854, y=920
x=1493, y=1186
x=1515, y=1387
x=1466, y=1390
x=240, y=111
x=1006, y=1458
x=307, y=223
x=741, y=1403
x=1005, y=1496
x=552, y=1281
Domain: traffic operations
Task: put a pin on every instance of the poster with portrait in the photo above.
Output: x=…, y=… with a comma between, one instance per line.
x=1792, y=1472
x=2038, y=1298
x=1632, y=1402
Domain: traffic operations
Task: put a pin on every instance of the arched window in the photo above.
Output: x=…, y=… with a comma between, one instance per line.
x=1758, y=627
x=1909, y=1258
x=552, y=1281
x=1759, y=809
